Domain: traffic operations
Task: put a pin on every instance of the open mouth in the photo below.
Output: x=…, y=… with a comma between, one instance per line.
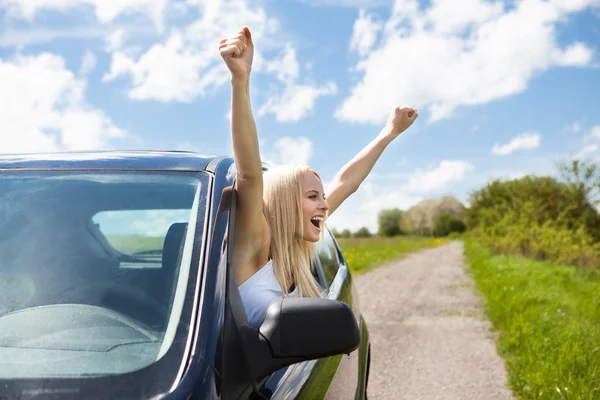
x=317, y=221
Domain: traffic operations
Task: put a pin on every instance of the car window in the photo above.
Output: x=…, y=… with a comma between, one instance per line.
x=139, y=234
x=327, y=254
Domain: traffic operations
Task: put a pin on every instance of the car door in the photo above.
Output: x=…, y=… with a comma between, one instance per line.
x=332, y=377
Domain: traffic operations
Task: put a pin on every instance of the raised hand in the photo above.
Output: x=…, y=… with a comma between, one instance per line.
x=238, y=52
x=400, y=119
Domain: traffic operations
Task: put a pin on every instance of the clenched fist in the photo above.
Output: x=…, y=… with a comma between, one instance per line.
x=400, y=119
x=237, y=52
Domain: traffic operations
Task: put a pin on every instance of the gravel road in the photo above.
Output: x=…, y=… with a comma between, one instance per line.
x=429, y=339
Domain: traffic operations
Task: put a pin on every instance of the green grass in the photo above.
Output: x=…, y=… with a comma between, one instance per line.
x=131, y=244
x=548, y=319
x=364, y=254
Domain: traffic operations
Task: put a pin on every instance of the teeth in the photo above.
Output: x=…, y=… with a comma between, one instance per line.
x=317, y=218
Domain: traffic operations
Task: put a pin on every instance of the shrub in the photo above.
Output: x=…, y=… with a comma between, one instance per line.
x=445, y=223
x=389, y=222
x=538, y=217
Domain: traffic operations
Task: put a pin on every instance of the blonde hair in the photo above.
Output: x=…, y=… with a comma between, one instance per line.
x=292, y=255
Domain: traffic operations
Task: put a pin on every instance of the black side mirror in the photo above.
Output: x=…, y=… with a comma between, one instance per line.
x=300, y=329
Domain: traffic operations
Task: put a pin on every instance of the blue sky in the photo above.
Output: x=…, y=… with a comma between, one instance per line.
x=503, y=88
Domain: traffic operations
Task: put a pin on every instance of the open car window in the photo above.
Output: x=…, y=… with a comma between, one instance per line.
x=328, y=257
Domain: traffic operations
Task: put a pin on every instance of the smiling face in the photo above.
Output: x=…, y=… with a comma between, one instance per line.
x=314, y=207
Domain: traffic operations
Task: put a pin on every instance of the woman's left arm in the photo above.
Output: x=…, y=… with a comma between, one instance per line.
x=351, y=176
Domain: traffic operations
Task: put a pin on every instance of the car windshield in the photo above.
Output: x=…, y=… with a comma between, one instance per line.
x=94, y=269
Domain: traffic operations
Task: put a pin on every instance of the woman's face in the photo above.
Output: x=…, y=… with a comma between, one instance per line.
x=314, y=207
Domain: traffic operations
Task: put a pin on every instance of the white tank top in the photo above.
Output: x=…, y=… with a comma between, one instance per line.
x=259, y=291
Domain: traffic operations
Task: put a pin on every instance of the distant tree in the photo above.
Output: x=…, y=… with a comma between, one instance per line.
x=389, y=222
x=335, y=233
x=362, y=233
x=345, y=233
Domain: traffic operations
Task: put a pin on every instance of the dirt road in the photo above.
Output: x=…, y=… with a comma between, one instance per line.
x=429, y=339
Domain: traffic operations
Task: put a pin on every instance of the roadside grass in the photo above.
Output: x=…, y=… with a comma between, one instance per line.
x=547, y=317
x=364, y=254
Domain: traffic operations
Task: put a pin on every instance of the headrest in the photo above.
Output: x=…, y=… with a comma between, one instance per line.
x=172, y=244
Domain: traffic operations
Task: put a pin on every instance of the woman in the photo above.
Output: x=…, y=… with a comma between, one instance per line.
x=279, y=216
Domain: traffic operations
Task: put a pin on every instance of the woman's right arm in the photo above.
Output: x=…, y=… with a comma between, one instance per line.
x=251, y=236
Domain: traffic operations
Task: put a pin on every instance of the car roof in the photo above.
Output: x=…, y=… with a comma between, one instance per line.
x=112, y=159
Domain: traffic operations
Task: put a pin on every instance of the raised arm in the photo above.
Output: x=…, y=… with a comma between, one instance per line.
x=251, y=230
x=350, y=177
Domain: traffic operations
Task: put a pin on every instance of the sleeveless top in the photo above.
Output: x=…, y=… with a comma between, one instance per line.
x=259, y=291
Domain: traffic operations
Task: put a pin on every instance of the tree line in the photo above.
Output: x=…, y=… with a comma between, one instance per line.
x=542, y=217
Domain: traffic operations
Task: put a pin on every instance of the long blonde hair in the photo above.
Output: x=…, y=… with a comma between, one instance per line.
x=292, y=255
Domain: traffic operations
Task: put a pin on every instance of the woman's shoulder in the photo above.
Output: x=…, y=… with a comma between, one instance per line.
x=258, y=292
x=264, y=277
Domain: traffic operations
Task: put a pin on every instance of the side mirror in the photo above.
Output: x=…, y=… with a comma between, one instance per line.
x=301, y=329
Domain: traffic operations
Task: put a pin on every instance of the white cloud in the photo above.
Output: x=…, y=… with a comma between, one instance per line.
x=526, y=140
x=296, y=101
x=438, y=178
x=575, y=127
x=293, y=150
x=187, y=64
x=595, y=132
x=459, y=53
x=293, y=101
x=349, y=3
x=590, y=148
x=448, y=20
x=364, y=33
x=516, y=175
x=576, y=54
x=165, y=72
x=44, y=110
x=105, y=10
x=88, y=63
x=155, y=222
x=286, y=68
x=115, y=40
x=21, y=38
x=363, y=206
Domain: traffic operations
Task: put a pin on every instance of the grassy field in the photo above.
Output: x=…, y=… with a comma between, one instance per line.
x=133, y=244
x=548, y=319
x=363, y=254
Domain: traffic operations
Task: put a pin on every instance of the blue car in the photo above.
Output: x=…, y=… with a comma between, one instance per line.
x=115, y=283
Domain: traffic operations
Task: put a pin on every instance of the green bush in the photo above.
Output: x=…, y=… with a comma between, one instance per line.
x=455, y=235
x=445, y=224
x=538, y=217
x=389, y=222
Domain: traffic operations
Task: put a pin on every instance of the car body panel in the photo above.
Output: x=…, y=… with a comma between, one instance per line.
x=108, y=160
